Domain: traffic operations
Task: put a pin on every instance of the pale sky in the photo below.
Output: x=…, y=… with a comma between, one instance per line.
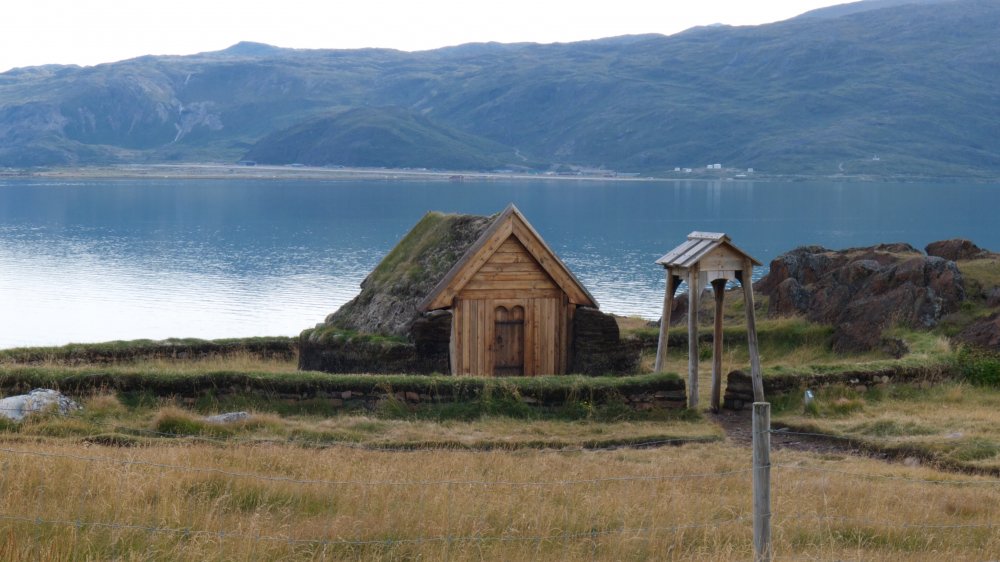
x=87, y=32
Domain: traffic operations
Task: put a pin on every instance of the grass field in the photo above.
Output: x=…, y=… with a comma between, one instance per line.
x=274, y=502
x=955, y=424
x=142, y=477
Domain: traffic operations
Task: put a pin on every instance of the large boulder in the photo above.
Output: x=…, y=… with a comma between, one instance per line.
x=956, y=249
x=863, y=291
x=39, y=400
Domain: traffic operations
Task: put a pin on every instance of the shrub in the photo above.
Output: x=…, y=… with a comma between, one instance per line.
x=179, y=423
x=979, y=367
x=103, y=406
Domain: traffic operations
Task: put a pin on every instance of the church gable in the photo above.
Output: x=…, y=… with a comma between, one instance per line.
x=510, y=269
x=489, y=266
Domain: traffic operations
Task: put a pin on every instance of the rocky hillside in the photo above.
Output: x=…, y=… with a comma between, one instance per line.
x=863, y=291
x=954, y=286
x=915, y=85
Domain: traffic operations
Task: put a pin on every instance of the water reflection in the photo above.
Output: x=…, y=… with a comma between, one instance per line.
x=93, y=261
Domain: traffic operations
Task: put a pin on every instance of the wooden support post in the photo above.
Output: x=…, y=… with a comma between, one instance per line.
x=453, y=340
x=719, y=290
x=761, y=434
x=746, y=279
x=694, y=291
x=668, y=303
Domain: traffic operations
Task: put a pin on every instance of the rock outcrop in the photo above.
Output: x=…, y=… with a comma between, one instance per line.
x=863, y=291
x=984, y=333
x=957, y=249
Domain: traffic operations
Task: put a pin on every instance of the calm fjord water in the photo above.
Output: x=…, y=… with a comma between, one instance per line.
x=96, y=261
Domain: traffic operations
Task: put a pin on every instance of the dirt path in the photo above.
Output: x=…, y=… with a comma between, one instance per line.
x=736, y=426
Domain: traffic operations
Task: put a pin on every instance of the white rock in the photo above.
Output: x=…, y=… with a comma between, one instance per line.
x=228, y=417
x=38, y=400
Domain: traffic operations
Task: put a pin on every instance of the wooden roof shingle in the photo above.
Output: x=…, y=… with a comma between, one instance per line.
x=697, y=246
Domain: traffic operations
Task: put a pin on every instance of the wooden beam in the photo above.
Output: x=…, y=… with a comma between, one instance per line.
x=719, y=290
x=668, y=304
x=502, y=285
x=473, y=294
x=746, y=279
x=694, y=291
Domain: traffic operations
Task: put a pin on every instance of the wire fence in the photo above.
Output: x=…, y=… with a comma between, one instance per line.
x=242, y=499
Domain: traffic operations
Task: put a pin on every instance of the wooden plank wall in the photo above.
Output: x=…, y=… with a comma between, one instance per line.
x=511, y=277
x=546, y=335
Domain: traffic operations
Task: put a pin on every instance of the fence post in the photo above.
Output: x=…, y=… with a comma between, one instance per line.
x=762, y=551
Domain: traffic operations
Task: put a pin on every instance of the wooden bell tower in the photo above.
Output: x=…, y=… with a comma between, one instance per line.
x=709, y=258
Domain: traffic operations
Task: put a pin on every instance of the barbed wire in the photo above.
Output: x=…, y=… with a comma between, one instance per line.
x=419, y=446
x=873, y=522
x=222, y=534
x=286, y=479
x=785, y=431
x=859, y=441
x=886, y=476
x=565, y=537
x=291, y=440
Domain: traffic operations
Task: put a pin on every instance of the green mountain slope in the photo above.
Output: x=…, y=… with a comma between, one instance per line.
x=917, y=84
x=385, y=136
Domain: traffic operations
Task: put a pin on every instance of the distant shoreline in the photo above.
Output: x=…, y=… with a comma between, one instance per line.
x=212, y=171
x=268, y=172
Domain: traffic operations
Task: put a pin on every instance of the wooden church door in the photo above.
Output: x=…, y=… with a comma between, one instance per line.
x=508, y=341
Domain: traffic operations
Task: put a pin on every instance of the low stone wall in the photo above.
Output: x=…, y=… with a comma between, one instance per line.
x=673, y=399
x=367, y=356
x=143, y=350
x=597, y=347
x=739, y=386
x=670, y=398
x=642, y=392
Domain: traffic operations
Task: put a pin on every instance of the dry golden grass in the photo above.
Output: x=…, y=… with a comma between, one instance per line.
x=242, y=361
x=495, y=431
x=201, y=502
x=954, y=421
x=238, y=361
x=104, y=414
x=983, y=273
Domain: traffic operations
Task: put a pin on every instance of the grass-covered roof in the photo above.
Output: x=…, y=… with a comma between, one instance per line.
x=390, y=294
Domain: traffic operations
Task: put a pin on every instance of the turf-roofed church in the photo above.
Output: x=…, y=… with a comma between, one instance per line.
x=469, y=295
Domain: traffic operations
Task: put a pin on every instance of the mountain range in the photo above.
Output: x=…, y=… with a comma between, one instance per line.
x=875, y=88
